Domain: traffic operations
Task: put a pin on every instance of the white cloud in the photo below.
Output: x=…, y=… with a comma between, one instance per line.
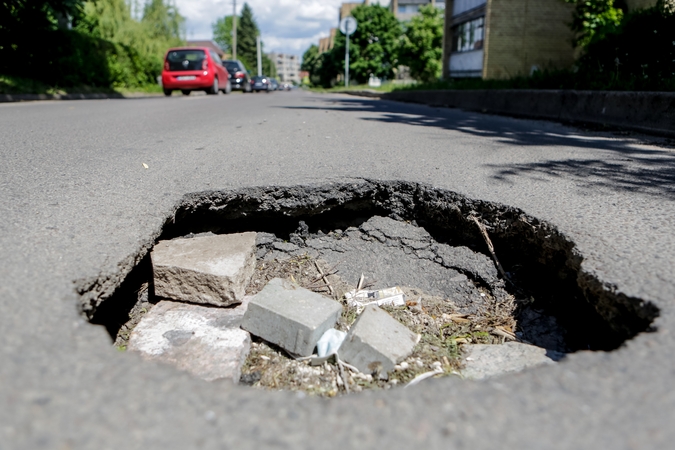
x=288, y=26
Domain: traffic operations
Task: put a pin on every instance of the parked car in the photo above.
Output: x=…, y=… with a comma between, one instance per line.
x=194, y=68
x=261, y=83
x=239, y=77
x=275, y=84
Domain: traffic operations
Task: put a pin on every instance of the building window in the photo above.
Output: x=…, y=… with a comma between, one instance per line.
x=440, y=5
x=408, y=9
x=468, y=36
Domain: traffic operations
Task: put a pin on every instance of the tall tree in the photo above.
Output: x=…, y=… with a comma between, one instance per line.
x=222, y=33
x=422, y=44
x=373, y=46
x=247, y=32
x=163, y=20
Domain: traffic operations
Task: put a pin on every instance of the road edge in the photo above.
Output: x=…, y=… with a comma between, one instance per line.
x=646, y=112
x=14, y=98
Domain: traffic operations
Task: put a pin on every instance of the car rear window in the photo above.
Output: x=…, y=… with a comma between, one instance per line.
x=185, y=59
x=231, y=67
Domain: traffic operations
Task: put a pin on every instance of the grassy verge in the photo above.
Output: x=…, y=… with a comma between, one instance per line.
x=16, y=85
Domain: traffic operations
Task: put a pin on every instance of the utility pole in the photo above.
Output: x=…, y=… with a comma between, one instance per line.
x=257, y=41
x=234, y=30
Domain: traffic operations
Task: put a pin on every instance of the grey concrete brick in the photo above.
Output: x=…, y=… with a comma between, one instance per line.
x=208, y=269
x=376, y=342
x=207, y=342
x=291, y=317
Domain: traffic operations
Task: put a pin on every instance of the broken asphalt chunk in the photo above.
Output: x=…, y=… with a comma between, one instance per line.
x=291, y=317
x=485, y=361
x=206, y=342
x=376, y=342
x=206, y=269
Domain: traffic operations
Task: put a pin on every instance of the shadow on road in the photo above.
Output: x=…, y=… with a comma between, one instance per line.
x=617, y=163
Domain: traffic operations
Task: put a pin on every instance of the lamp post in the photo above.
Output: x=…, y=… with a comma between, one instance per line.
x=257, y=41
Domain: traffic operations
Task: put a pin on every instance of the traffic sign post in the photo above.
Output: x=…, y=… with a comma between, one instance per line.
x=348, y=27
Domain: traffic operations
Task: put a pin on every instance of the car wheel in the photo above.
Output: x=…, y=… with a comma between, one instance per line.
x=248, y=88
x=214, y=88
x=228, y=88
x=186, y=91
x=168, y=92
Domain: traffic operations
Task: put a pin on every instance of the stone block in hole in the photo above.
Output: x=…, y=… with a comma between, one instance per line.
x=290, y=316
x=205, y=341
x=211, y=270
x=376, y=342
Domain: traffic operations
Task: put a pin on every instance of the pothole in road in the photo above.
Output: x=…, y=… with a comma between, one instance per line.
x=433, y=244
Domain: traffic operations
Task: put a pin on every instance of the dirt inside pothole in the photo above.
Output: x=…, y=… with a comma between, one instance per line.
x=454, y=298
x=443, y=329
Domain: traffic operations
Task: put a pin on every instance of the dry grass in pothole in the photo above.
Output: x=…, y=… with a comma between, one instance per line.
x=443, y=333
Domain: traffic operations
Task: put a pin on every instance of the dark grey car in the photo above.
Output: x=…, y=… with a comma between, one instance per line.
x=262, y=83
x=239, y=77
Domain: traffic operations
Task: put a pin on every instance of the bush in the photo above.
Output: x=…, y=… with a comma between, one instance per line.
x=75, y=59
x=639, y=55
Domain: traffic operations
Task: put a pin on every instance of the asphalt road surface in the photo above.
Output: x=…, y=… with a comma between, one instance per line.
x=76, y=201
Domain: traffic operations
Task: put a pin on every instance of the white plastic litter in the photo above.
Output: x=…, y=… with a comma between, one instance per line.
x=390, y=296
x=330, y=342
x=424, y=376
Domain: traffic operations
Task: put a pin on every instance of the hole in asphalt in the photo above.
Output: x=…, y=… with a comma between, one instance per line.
x=398, y=234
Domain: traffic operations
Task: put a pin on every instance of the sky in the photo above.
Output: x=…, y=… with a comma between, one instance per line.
x=286, y=26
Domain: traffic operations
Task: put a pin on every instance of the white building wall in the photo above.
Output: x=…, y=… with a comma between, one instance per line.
x=466, y=64
x=288, y=67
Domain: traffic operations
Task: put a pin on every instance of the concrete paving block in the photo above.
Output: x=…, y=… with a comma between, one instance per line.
x=484, y=361
x=291, y=317
x=376, y=342
x=206, y=269
x=205, y=341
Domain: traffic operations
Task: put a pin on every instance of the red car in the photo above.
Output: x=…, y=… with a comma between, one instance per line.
x=194, y=68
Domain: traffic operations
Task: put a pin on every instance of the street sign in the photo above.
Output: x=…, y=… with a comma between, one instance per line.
x=348, y=26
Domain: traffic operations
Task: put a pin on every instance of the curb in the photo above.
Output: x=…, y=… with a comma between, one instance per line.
x=9, y=98
x=647, y=112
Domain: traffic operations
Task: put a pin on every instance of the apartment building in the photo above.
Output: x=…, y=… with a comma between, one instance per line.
x=506, y=38
x=288, y=67
x=327, y=43
x=346, y=8
x=407, y=9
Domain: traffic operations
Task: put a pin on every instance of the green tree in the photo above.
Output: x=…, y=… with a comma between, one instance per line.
x=373, y=47
x=163, y=22
x=422, y=45
x=247, y=33
x=592, y=20
x=35, y=14
x=222, y=33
